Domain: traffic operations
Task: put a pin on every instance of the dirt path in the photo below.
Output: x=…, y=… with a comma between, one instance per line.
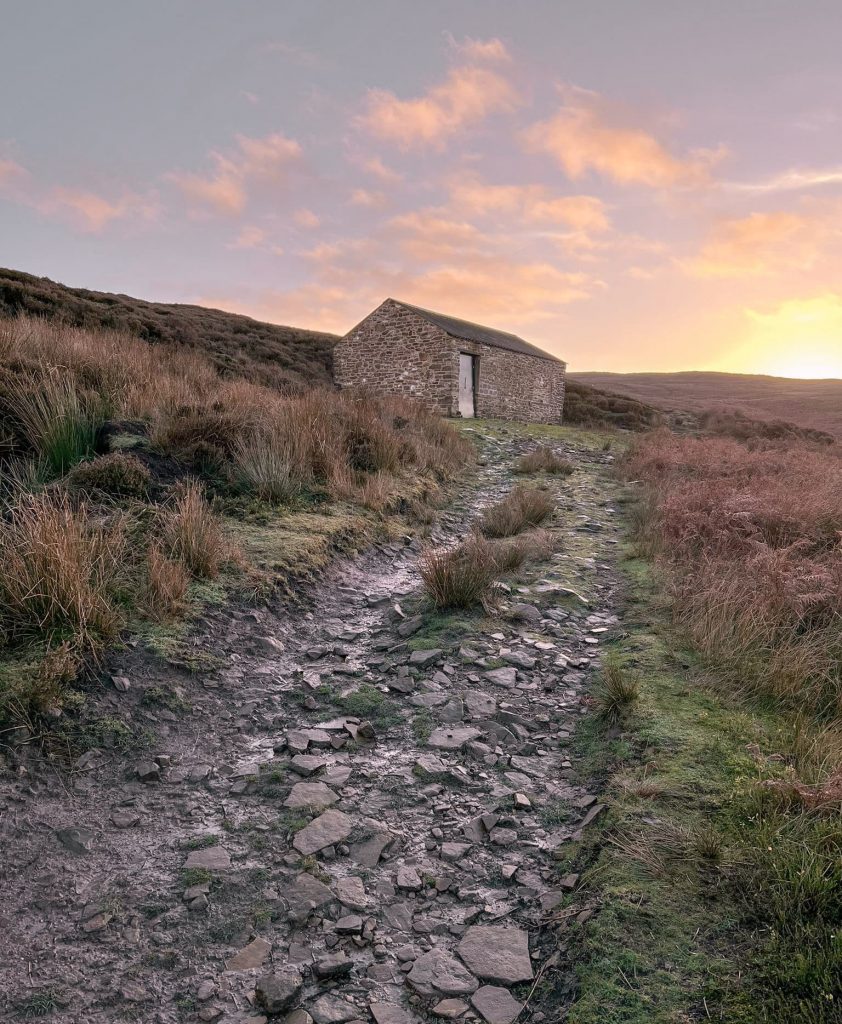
x=365, y=815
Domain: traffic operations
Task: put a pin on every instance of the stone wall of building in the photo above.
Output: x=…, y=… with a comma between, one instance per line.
x=394, y=351
x=515, y=386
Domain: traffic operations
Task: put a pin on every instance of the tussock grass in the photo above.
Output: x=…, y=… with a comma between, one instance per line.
x=510, y=553
x=62, y=570
x=166, y=585
x=116, y=474
x=192, y=533
x=543, y=460
x=461, y=577
x=59, y=422
x=523, y=507
x=616, y=692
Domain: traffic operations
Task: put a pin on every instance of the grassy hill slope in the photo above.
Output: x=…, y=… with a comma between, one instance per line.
x=808, y=403
x=238, y=346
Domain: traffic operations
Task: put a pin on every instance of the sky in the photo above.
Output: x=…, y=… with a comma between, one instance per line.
x=633, y=185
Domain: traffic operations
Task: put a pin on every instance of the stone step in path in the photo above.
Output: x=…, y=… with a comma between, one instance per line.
x=340, y=823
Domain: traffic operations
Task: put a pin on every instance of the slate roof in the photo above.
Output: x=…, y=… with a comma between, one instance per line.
x=476, y=332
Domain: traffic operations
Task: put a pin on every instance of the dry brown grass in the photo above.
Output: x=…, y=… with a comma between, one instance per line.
x=523, y=507
x=615, y=692
x=543, y=460
x=510, y=553
x=460, y=577
x=166, y=585
x=192, y=533
x=752, y=537
x=62, y=569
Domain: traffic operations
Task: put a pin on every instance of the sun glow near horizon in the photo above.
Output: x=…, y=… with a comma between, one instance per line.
x=801, y=339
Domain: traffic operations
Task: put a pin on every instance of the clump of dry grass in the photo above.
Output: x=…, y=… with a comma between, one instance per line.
x=616, y=692
x=192, y=533
x=521, y=508
x=166, y=585
x=461, y=577
x=510, y=553
x=116, y=474
x=543, y=460
x=62, y=571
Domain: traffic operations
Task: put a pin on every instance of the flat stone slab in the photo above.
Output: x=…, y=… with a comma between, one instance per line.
x=445, y=738
x=502, y=677
x=250, y=956
x=480, y=705
x=367, y=852
x=496, y=1004
x=307, y=764
x=305, y=893
x=310, y=794
x=212, y=858
x=496, y=953
x=390, y=1013
x=424, y=658
x=439, y=972
x=333, y=1010
x=328, y=829
x=350, y=892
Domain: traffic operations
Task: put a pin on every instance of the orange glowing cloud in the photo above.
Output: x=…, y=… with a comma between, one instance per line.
x=586, y=136
x=533, y=203
x=762, y=243
x=467, y=96
x=226, y=189
x=92, y=212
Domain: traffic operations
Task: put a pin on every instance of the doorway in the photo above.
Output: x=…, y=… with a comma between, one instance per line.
x=467, y=385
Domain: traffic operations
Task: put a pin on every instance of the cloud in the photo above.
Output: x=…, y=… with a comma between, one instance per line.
x=469, y=94
x=586, y=135
x=762, y=243
x=12, y=175
x=250, y=237
x=476, y=50
x=375, y=166
x=789, y=181
x=226, y=188
x=306, y=219
x=428, y=236
x=368, y=198
x=536, y=204
x=92, y=212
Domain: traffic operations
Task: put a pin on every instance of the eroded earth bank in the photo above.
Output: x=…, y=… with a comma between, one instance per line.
x=354, y=815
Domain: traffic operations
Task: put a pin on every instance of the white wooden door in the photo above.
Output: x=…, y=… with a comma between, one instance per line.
x=466, y=385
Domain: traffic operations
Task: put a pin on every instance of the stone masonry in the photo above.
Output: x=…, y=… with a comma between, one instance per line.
x=395, y=350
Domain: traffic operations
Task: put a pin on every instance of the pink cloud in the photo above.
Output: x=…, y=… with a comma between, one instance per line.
x=306, y=219
x=467, y=96
x=367, y=198
x=536, y=204
x=482, y=49
x=375, y=166
x=250, y=237
x=585, y=135
x=226, y=188
x=766, y=243
x=92, y=212
x=12, y=175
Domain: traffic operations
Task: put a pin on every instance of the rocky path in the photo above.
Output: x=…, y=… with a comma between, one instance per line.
x=342, y=820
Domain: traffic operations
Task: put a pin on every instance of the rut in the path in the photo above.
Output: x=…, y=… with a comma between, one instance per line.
x=366, y=826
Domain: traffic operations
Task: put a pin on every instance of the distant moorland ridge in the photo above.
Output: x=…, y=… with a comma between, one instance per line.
x=809, y=403
x=284, y=357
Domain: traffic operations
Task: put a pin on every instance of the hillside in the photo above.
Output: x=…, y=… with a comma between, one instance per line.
x=238, y=346
x=808, y=403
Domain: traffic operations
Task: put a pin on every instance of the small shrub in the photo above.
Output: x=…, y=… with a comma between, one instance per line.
x=166, y=585
x=522, y=507
x=61, y=573
x=543, y=460
x=193, y=535
x=461, y=577
x=615, y=693
x=117, y=474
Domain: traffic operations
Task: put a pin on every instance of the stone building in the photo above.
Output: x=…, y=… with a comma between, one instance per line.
x=454, y=366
